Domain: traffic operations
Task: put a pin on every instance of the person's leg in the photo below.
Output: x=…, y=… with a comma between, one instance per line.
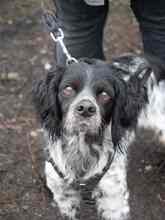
x=151, y=17
x=83, y=28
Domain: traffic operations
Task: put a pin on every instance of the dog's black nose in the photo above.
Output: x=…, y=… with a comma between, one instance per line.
x=86, y=108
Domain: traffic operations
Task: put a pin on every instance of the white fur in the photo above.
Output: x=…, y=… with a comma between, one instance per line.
x=114, y=203
x=59, y=187
x=67, y=204
x=153, y=116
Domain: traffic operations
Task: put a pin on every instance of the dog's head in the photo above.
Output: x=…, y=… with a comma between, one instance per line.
x=88, y=96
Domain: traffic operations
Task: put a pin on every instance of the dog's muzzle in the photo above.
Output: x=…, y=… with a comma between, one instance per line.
x=85, y=113
x=85, y=108
x=83, y=116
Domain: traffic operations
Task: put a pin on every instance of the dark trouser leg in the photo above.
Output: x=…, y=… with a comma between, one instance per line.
x=83, y=28
x=151, y=17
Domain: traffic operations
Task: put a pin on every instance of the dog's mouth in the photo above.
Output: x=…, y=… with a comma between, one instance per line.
x=81, y=125
x=87, y=125
x=84, y=126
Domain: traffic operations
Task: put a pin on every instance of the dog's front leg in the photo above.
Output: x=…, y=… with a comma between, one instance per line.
x=113, y=202
x=66, y=198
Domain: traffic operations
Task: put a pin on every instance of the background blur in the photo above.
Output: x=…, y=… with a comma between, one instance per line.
x=26, y=52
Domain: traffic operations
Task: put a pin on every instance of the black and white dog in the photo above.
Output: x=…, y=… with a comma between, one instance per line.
x=89, y=111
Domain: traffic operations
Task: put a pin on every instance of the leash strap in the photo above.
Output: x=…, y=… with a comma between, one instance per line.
x=86, y=185
x=50, y=160
x=57, y=35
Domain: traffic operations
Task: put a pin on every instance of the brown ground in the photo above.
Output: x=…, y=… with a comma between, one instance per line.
x=24, y=50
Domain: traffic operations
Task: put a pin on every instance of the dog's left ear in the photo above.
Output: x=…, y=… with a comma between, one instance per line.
x=45, y=99
x=131, y=96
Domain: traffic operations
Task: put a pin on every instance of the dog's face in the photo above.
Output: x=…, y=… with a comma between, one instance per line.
x=86, y=97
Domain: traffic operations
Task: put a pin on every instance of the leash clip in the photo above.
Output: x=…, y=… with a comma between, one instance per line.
x=59, y=38
x=57, y=35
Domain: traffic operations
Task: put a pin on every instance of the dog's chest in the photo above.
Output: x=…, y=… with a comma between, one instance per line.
x=109, y=197
x=74, y=198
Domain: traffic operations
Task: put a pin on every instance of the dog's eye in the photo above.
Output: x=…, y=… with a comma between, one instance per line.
x=103, y=97
x=68, y=91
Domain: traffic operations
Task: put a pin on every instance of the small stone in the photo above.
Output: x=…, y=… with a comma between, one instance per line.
x=138, y=51
x=33, y=134
x=28, y=21
x=20, y=96
x=9, y=76
x=148, y=168
x=43, y=51
x=1, y=116
x=26, y=196
x=10, y=22
x=33, y=59
x=38, y=214
x=13, y=76
x=140, y=170
x=47, y=66
x=25, y=207
x=39, y=39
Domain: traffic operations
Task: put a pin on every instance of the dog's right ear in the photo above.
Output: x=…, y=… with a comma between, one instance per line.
x=45, y=99
x=131, y=95
x=127, y=65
